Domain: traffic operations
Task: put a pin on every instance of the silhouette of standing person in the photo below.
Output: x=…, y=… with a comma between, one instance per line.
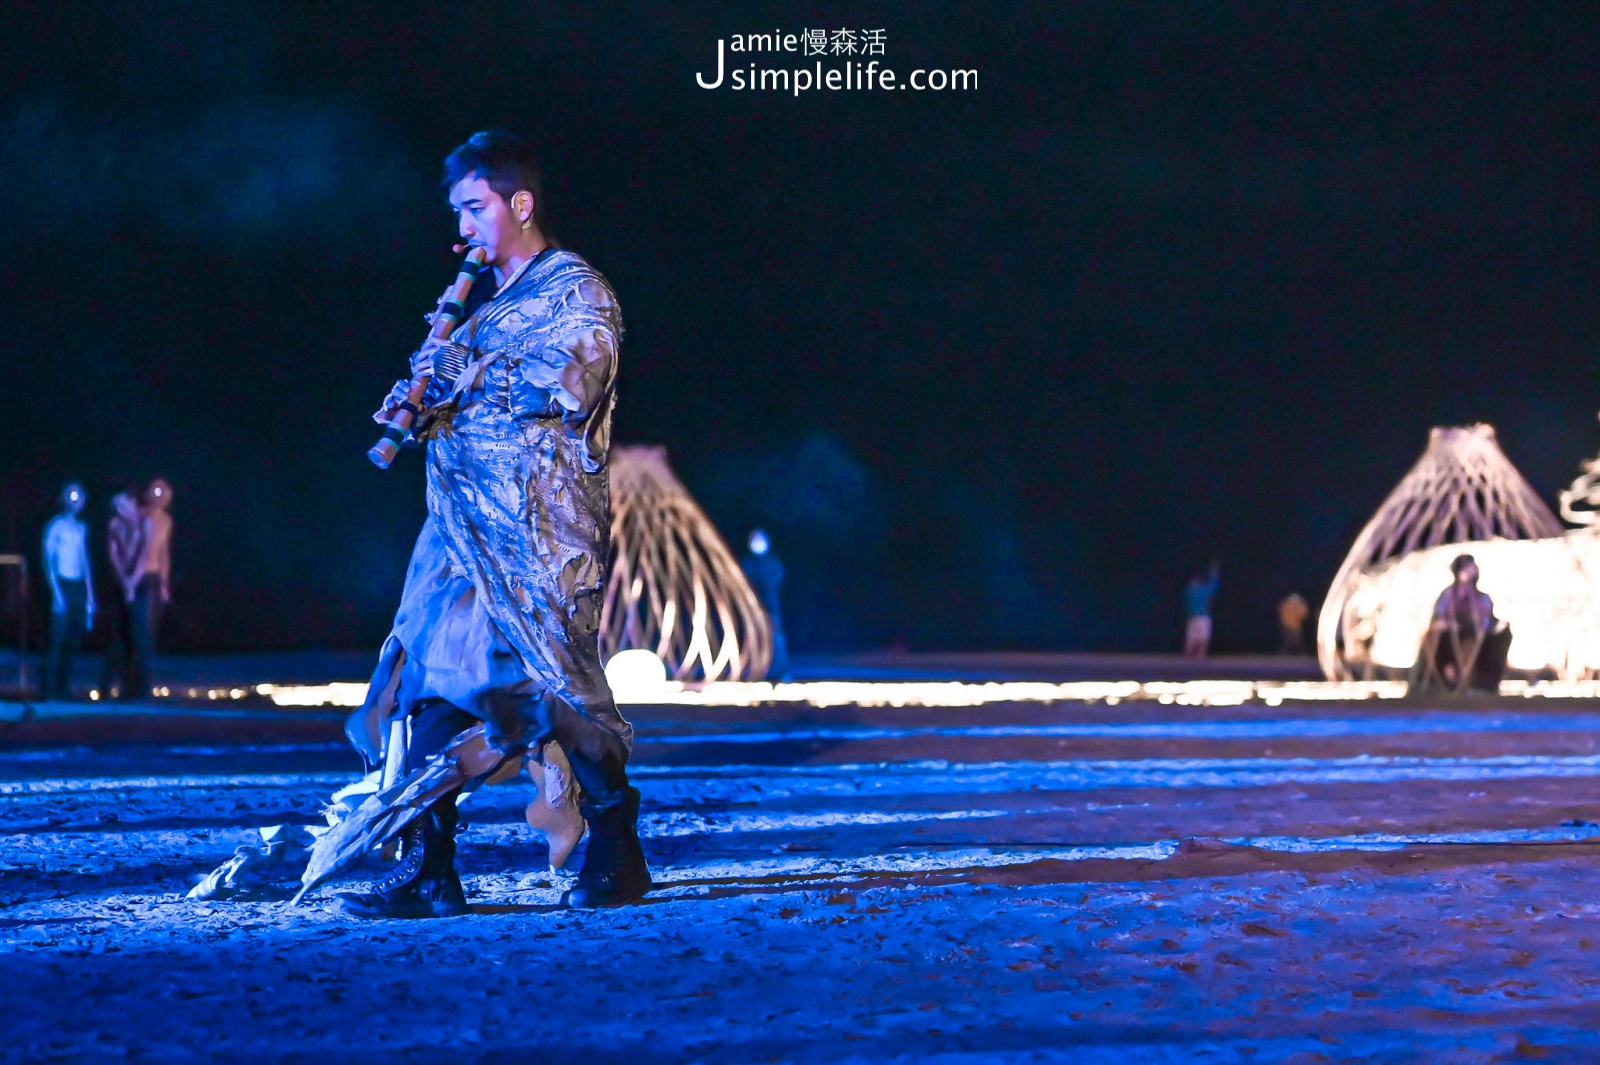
x=124, y=545
x=1292, y=614
x=66, y=569
x=1198, y=596
x=764, y=570
x=152, y=582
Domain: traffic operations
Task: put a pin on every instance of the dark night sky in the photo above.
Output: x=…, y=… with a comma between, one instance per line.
x=997, y=368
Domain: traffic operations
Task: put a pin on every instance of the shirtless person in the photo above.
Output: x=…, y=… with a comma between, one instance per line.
x=125, y=545
x=66, y=568
x=152, y=583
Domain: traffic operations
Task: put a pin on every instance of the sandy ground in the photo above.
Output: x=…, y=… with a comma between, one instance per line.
x=1019, y=883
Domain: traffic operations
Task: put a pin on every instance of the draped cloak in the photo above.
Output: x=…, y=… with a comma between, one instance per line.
x=501, y=608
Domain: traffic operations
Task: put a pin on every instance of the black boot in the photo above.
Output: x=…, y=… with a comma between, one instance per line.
x=614, y=870
x=425, y=883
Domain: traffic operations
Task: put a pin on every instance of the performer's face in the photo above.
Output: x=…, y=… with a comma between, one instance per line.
x=73, y=498
x=486, y=220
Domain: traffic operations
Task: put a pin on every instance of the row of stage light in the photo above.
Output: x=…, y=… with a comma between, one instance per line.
x=958, y=694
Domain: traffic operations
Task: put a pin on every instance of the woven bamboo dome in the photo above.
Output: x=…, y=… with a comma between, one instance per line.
x=1463, y=489
x=675, y=588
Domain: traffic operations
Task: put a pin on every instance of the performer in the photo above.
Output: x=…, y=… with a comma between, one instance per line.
x=125, y=546
x=1466, y=644
x=499, y=619
x=1292, y=613
x=764, y=570
x=1198, y=596
x=66, y=569
x=152, y=587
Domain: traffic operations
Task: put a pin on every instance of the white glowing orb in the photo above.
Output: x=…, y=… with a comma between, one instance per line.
x=635, y=673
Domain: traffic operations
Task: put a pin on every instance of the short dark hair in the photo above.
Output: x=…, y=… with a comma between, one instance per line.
x=505, y=161
x=1461, y=562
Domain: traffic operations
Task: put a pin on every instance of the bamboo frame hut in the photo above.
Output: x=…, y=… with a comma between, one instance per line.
x=1463, y=490
x=674, y=587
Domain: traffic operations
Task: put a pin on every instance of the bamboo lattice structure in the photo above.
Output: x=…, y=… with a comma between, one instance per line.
x=1580, y=502
x=675, y=588
x=1462, y=489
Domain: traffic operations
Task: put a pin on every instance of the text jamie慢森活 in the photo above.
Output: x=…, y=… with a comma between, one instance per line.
x=853, y=74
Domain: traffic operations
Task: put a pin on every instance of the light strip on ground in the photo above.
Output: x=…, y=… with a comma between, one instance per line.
x=824, y=694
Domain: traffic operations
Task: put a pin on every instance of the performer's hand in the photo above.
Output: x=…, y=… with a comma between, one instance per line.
x=442, y=297
x=422, y=361
x=166, y=593
x=88, y=617
x=58, y=602
x=391, y=403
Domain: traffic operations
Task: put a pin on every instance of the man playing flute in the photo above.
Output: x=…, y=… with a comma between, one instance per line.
x=499, y=619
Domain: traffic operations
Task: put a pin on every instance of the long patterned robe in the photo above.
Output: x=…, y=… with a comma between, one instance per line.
x=501, y=608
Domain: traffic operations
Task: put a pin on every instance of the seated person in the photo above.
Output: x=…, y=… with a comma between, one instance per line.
x=1464, y=634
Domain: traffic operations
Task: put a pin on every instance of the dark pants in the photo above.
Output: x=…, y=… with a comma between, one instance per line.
x=66, y=637
x=119, y=668
x=432, y=728
x=598, y=757
x=1488, y=668
x=145, y=618
x=779, y=669
x=1292, y=641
